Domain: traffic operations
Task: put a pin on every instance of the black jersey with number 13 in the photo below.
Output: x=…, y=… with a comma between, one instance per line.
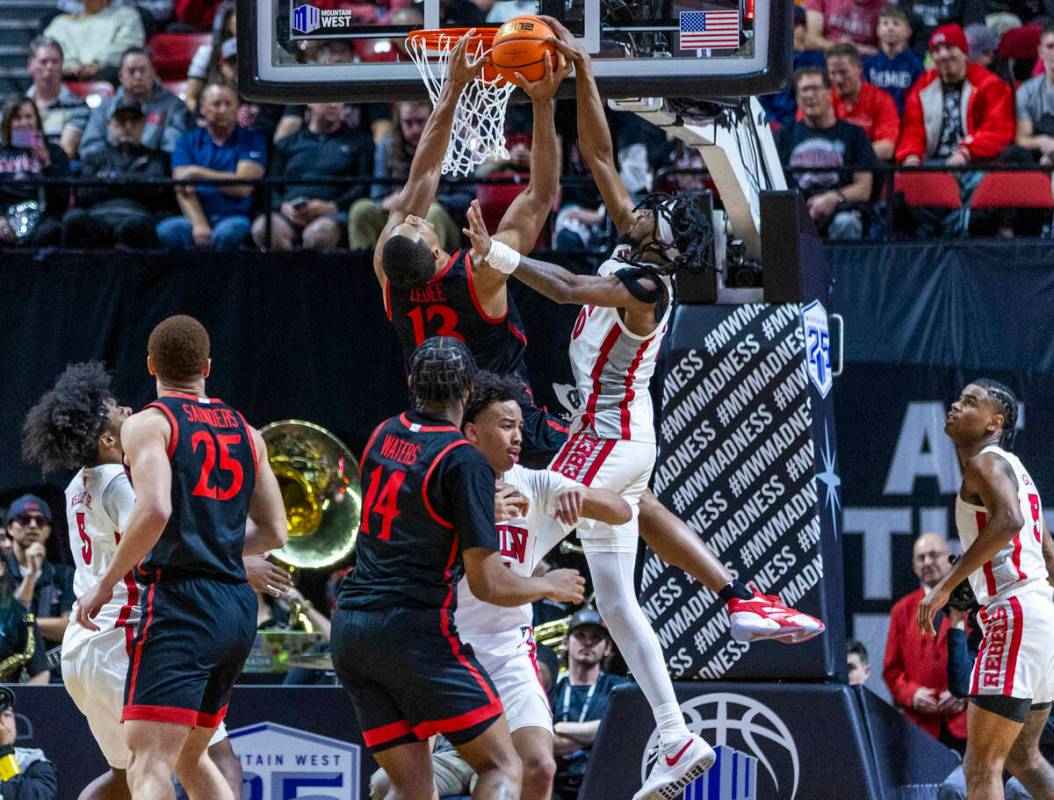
x=427, y=496
x=448, y=306
x=213, y=459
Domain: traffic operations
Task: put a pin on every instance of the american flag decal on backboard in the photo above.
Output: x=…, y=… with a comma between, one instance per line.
x=710, y=29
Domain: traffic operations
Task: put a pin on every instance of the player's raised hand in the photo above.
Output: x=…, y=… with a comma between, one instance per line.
x=565, y=586
x=928, y=608
x=545, y=87
x=508, y=503
x=477, y=231
x=567, y=504
x=89, y=605
x=464, y=65
x=266, y=577
x=566, y=43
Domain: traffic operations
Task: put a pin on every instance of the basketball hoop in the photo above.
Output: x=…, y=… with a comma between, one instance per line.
x=479, y=119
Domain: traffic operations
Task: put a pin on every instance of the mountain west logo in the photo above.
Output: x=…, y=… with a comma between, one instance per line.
x=741, y=726
x=281, y=763
x=817, y=346
x=306, y=19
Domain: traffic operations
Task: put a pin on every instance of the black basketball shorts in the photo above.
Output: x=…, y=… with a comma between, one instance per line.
x=191, y=645
x=410, y=676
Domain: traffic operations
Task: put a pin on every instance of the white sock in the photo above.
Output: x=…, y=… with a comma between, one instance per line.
x=612, y=575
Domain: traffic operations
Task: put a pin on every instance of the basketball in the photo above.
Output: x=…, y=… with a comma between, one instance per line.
x=520, y=46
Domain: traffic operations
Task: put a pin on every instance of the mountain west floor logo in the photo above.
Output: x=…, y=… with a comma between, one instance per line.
x=743, y=731
x=280, y=763
x=817, y=346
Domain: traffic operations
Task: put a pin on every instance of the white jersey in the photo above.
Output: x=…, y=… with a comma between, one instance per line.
x=98, y=503
x=524, y=543
x=1019, y=566
x=613, y=368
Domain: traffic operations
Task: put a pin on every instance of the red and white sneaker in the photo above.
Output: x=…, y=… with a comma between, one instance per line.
x=766, y=617
x=675, y=768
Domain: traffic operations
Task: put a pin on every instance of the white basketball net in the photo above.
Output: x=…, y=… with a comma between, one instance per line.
x=479, y=119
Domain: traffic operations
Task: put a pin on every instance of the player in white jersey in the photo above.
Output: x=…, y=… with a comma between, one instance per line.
x=502, y=638
x=76, y=425
x=1006, y=548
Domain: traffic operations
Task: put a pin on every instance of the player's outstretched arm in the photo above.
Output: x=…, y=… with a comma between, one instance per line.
x=524, y=218
x=426, y=168
x=492, y=583
x=989, y=476
x=552, y=280
x=144, y=438
x=578, y=502
x=266, y=528
x=594, y=137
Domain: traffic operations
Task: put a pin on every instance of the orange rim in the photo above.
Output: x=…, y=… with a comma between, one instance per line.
x=435, y=38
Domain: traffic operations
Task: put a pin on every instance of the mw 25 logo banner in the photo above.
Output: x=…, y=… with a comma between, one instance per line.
x=736, y=463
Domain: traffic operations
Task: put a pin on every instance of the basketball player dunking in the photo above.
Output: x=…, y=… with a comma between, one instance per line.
x=76, y=425
x=428, y=515
x=1000, y=520
x=200, y=472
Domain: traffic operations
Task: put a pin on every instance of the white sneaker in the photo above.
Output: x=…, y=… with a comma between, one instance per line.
x=672, y=773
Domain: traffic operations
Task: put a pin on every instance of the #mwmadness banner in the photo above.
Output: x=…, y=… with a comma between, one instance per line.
x=747, y=459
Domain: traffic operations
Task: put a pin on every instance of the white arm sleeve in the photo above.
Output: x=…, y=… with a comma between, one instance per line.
x=117, y=500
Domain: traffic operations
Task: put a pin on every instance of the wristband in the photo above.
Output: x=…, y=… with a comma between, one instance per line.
x=503, y=258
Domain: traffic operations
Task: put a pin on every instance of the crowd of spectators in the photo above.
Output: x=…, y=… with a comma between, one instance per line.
x=925, y=92
x=861, y=66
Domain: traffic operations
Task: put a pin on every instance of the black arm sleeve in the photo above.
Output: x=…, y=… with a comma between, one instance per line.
x=645, y=287
x=960, y=663
x=39, y=782
x=467, y=483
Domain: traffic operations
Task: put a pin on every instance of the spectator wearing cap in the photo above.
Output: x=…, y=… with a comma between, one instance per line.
x=1035, y=106
x=782, y=107
x=926, y=16
x=858, y=665
x=831, y=159
x=895, y=67
x=124, y=212
x=580, y=700
x=831, y=21
x=30, y=776
x=166, y=115
x=857, y=101
x=215, y=216
x=44, y=588
x=315, y=215
x=63, y=114
x=94, y=40
x=958, y=112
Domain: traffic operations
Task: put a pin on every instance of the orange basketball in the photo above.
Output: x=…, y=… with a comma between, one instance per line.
x=520, y=46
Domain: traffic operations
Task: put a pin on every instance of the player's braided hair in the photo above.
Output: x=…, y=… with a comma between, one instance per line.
x=442, y=370
x=682, y=233
x=487, y=389
x=1001, y=394
x=62, y=430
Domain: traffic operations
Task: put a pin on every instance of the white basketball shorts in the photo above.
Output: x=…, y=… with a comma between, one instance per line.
x=520, y=687
x=1016, y=658
x=94, y=674
x=623, y=467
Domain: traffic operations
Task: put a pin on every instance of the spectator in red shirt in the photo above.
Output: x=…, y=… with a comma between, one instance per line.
x=916, y=666
x=857, y=101
x=957, y=112
x=831, y=21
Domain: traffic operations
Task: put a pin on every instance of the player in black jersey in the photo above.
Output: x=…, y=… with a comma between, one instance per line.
x=205, y=494
x=429, y=292
x=428, y=515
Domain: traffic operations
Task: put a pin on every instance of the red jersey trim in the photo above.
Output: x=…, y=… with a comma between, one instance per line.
x=252, y=441
x=449, y=265
x=630, y=391
x=459, y=723
x=981, y=518
x=517, y=333
x=598, y=462
x=979, y=661
x=1018, y=618
x=177, y=716
x=174, y=439
x=405, y=420
x=428, y=477
x=211, y=720
x=126, y=610
x=369, y=444
x=388, y=298
x=1015, y=559
x=475, y=298
x=139, y=646
x=598, y=369
x=386, y=733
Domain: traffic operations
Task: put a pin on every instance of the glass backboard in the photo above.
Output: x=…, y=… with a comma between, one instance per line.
x=299, y=51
